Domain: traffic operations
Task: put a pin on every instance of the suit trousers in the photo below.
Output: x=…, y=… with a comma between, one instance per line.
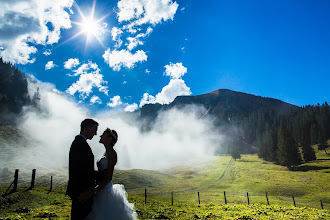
x=79, y=211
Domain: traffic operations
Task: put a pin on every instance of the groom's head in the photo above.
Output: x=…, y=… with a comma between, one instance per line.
x=88, y=128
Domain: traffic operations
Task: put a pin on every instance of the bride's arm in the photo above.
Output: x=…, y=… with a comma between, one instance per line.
x=112, y=160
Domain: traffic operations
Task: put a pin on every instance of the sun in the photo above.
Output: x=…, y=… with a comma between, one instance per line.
x=89, y=26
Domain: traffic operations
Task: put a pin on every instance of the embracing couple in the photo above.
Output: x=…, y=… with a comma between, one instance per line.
x=92, y=192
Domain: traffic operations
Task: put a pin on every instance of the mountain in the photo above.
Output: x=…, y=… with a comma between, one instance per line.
x=242, y=118
x=223, y=104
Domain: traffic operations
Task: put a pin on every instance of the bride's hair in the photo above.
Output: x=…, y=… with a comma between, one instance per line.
x=113, y=134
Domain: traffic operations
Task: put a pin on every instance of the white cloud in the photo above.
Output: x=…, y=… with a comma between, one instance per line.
x=85, y=68
x=135, y=41
x=175, y=71
x=49, y=65
x=176, y=86
x=129, y=9
x=115, y=33
x=131, y=108
x=147, y=71
x=72, y=62
x=100, y=28
x=114, y=101
x=95, y=99
x=117, y=59
x=139, y=12
x=47, y=52
x=89, y=77
x=24, y=24
x=147, y=99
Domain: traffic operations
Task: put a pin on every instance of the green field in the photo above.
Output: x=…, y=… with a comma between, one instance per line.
x=210, y=178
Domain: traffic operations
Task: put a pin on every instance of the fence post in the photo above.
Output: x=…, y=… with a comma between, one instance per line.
x=145, y=196
x=224, y=193
x=267, y=199
x=51, y=183
x=15, y=180
x=33, y=178
x=294, y=202
x=247, y=194
x=321, y=203
x=199, y=201
x=172, y=198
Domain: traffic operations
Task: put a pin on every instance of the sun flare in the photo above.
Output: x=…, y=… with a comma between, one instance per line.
x=90, y=26
x=93, y=27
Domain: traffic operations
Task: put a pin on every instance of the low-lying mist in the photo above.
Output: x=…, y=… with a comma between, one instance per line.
x=177, y=136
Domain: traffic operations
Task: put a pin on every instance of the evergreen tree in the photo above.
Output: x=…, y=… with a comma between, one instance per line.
x=308, y=152
x=36, y=98
x=313, y=134
x=271, y=142
x=234, y=150
x=305, y=140
x=323, y=145
x=13, y=92
x=288, y=154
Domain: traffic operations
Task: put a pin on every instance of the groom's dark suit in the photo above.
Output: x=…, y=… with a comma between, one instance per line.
x=82, y=176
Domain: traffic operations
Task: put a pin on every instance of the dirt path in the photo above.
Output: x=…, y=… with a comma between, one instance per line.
x=222, y=177
x=225, y=173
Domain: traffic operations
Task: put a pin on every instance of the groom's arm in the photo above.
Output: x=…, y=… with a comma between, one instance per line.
x=80, y=168
x=108, y=177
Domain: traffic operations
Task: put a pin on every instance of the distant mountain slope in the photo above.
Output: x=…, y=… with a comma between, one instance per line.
x=222, y=104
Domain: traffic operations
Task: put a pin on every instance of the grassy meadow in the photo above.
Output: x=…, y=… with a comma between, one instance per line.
x=309, y=184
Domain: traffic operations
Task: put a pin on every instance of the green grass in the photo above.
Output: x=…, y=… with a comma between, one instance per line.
x=158, y=209
x=309, y=184
x=35, y=204
x=177, y=178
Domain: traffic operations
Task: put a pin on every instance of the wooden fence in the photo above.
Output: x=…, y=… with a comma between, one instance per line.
x=225, y=197
x=33, y=178
x=15, y=183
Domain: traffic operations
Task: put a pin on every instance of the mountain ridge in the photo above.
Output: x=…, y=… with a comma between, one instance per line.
x=222, y=103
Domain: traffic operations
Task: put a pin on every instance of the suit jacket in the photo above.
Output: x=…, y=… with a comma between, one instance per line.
x=82, y=176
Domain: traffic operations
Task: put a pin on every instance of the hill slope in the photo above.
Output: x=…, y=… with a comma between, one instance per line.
x=222, y=104
x=249, y=174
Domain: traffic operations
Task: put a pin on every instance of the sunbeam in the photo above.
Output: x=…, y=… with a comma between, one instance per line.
x=89, y=26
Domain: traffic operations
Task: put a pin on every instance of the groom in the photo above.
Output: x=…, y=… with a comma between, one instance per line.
x=82, y=175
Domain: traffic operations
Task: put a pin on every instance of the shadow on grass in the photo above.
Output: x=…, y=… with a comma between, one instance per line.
x=8, y=193
x=306, y=168
x=247, y=161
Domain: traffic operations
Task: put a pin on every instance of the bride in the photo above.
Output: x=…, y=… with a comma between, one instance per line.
x=110, y=201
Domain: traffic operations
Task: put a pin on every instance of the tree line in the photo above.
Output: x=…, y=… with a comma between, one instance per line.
x=14, y=94
x=284, y=138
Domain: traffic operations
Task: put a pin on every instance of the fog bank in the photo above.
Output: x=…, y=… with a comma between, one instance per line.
x=177, y=136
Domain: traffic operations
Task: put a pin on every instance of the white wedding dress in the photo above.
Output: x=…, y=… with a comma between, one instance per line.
x=111, y=202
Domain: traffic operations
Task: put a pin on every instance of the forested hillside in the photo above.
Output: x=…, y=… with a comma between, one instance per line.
x=287, y=139
x=277, y=131
x=13, y=93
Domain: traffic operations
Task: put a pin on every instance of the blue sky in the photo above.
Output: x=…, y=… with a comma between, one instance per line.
x=278, y=49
